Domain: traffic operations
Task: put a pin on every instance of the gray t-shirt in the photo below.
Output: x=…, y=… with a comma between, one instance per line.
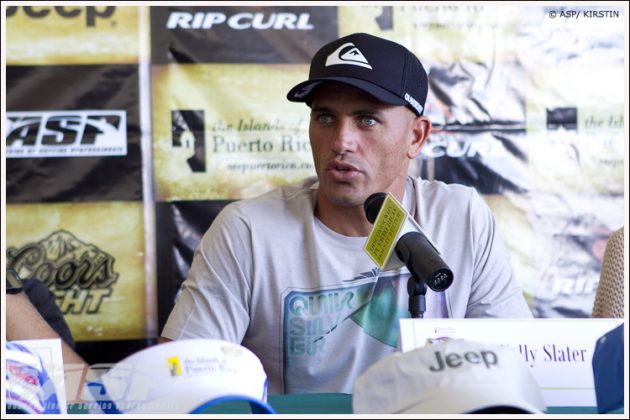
x=312, y=305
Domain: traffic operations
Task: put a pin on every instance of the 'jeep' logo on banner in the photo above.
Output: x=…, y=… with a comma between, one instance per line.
x=37, y=134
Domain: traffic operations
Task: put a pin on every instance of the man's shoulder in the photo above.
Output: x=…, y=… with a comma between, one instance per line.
x=284, y=198
x=437, y=197
x=440, y=188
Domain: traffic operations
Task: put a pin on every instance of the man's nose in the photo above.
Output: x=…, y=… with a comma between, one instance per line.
x=345, y=137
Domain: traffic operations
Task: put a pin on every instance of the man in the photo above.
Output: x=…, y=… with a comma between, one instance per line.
x=285, y=274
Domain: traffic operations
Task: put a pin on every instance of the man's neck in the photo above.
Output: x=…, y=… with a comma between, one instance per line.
x=348, y=221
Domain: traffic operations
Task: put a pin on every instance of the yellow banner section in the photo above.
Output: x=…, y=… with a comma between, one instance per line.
x=584, y=154
x=72, y=34
x=91, y=256
x=480, y=33
x=243, y=136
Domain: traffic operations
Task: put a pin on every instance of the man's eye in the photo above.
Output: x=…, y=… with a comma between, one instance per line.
x=368, y=121
x=324, y=118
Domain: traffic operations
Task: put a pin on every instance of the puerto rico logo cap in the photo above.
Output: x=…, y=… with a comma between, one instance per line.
x=182, y=377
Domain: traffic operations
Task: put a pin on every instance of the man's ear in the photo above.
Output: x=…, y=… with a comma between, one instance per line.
x=421, y=127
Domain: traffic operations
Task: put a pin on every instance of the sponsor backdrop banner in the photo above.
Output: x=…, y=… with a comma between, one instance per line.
x=527, y=104
x=74, y=188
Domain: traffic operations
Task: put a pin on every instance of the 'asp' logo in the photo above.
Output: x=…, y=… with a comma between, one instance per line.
x=41, y=134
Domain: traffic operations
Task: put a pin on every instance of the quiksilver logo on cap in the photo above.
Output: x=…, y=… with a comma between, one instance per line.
x=352, y=56
x=412, y=101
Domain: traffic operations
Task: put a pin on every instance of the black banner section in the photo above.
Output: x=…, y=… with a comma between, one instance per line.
x=110, y=351
x=493, y=162
x=477, y=140
x=63, y=110
x=179, y=228
x=240, y=34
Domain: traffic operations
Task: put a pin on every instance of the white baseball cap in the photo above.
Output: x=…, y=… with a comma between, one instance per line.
x=183, y=376
x=453, y=377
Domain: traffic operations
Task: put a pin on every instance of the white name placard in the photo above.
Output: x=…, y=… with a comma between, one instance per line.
x=558, y=351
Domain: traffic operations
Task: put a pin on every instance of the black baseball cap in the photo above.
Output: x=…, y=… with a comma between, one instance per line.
x=382, y=68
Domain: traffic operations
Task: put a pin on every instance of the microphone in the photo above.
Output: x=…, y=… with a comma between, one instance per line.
x=414, y=249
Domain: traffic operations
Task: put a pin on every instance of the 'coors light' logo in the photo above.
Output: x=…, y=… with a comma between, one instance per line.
x=79, y=274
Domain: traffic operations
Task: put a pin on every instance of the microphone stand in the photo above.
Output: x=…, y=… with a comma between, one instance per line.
x=417, y=290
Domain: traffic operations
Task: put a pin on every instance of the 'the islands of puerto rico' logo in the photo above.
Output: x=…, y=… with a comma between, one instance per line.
x=79, y=274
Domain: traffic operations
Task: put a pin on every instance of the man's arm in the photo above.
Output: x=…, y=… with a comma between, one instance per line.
x=214, y=299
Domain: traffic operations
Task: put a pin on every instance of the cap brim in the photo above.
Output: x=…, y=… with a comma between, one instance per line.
x=257, y=406
x=303, y=92
x=464, y=401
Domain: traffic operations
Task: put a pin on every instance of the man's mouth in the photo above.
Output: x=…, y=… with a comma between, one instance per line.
x=341, y=167
x=342, y=171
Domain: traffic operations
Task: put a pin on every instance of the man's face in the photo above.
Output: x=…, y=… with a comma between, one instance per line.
x=360, y=145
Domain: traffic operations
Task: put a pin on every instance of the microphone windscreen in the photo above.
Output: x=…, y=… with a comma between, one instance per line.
x=373, y=205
